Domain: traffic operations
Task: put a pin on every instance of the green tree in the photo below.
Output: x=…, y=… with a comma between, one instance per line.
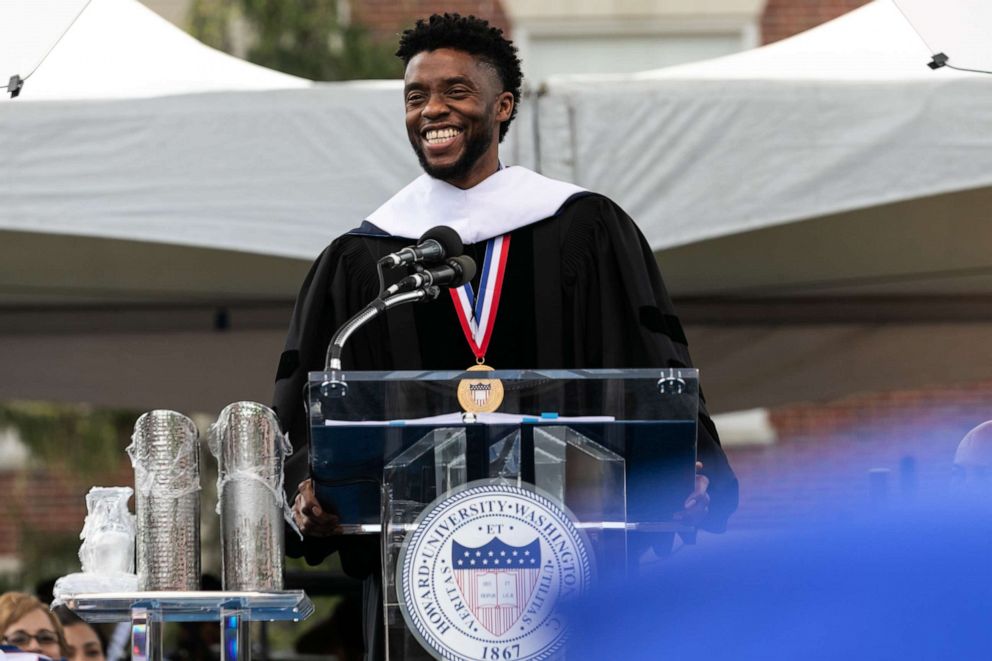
x=210, y=21
x=74, y=445
x=301, y=37
x=76, y=440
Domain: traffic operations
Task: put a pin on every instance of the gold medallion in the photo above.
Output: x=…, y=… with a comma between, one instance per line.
x=480, y=395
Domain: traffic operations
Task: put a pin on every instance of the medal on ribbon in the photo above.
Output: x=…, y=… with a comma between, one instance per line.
x=477, y=315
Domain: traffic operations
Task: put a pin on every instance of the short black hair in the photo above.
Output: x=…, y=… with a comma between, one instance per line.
x=474, y=36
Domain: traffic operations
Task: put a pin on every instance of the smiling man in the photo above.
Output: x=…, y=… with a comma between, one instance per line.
x=454, y=104
x=578, y=286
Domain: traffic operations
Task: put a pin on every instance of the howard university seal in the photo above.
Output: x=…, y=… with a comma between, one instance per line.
x=482, y=574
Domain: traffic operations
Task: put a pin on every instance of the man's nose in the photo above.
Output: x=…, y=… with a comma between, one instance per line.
x=435, y=106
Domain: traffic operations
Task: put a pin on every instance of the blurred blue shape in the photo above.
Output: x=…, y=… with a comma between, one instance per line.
x=909, y=586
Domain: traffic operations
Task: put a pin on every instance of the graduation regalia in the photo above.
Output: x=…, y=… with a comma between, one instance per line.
x=581, y=289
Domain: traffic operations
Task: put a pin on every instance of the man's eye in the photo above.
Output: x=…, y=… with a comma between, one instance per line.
x=414, y=99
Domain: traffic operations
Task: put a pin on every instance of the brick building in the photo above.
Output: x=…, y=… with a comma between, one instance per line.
x=784, y=18
x=385, y=19
x=845, y=457
x=584, y=36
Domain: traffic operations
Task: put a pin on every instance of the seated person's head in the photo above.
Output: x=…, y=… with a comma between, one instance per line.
x=973, y=462
x=85, y=642
x=27, y=623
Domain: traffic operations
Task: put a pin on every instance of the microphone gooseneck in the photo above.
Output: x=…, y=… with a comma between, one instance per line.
x=421, y=286
x=367, y=314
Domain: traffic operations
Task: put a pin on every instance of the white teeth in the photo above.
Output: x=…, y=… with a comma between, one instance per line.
x=435, y=136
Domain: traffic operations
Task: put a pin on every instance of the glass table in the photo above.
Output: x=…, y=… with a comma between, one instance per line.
x=234, y=611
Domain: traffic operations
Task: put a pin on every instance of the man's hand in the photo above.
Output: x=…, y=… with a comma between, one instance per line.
x=310, y=516
x=697, y=505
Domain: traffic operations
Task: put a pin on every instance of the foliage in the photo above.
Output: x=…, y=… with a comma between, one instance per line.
x=209, y=21
x=77, y=440
x=301, y=37
x=75, y=443
x=47, y=555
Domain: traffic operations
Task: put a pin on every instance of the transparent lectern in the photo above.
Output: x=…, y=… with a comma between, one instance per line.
x=614, y=449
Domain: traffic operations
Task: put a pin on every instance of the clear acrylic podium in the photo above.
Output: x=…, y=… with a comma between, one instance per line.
x=615, y=449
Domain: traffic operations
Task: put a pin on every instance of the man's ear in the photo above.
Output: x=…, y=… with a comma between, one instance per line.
x=504, y=107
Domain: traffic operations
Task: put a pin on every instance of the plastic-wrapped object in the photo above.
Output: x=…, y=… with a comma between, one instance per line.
x=107, y=551
x=166, y=464
x=250, y=451
x=83, y=583
x=108, y=532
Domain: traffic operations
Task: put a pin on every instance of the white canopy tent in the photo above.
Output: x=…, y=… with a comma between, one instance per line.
x=189, y=200
x=117, y=49
x=844, y=116
x=145, y=134
x=132, y=129
x=819, y=204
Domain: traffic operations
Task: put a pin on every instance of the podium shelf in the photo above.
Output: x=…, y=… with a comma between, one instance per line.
x=290, y=605
x=629, y=526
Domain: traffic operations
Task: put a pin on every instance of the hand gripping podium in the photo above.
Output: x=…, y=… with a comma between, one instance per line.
x=500, y=495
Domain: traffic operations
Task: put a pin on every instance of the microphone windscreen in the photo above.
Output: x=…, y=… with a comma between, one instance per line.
x=447, y=237
x=464, y=266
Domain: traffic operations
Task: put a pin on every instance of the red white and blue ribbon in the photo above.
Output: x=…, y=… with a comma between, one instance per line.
x=477, y=311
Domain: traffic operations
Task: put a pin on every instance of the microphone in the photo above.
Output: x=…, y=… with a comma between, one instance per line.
x=436, y=244
x=454, y=272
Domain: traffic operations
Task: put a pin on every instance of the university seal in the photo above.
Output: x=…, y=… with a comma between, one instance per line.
x=484, y=571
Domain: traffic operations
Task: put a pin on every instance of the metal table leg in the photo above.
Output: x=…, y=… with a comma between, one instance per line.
x=146, y=635
x=235, y=630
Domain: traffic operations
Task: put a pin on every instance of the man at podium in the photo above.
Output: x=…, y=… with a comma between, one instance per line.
x=566, y=278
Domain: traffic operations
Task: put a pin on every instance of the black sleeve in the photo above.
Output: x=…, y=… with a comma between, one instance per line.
x=331, y=291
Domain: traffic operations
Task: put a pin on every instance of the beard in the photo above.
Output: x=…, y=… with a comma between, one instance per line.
x=475, y=147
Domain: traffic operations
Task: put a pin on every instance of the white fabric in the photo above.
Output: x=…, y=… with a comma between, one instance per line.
x=958, y=28
x=511, y=198
x=269, y=173
x=246, y=164
x=28, y=30
x=842, y=117
x=121, y=49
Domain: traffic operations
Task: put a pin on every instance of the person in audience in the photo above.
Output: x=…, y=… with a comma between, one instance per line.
x=85, y=642
x=972, y=471
x=27, y=624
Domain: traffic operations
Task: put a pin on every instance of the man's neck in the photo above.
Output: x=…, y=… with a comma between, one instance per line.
x=484, y=168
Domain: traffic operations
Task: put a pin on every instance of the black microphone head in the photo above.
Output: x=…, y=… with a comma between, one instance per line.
x=450, y=242
x=464, y=266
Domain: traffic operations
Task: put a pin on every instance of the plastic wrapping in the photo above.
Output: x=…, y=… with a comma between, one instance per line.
x=108, y=532
x=84, y=583
x=250, y=451
x=107, y=551
x=166, y=463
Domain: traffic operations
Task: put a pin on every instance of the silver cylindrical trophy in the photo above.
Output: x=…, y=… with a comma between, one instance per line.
x=250, y=450
x=165, y=455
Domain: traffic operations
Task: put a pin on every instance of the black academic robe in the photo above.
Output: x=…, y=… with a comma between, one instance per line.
x=582, y=289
